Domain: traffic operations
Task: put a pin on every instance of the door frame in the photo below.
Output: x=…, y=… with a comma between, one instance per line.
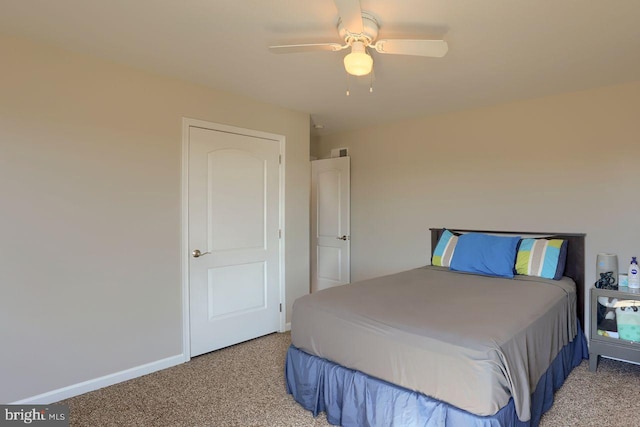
x=185, y=250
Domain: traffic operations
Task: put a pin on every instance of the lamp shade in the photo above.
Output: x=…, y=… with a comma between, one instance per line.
x=358, y=62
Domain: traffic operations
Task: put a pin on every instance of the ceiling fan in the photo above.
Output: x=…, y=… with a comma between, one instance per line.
x=359, y=30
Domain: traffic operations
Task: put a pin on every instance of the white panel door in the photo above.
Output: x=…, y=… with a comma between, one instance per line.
x=330, y=215
x=233, y=189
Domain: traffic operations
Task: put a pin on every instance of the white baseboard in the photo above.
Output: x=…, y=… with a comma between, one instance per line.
x=96, y=383
x=287, y=326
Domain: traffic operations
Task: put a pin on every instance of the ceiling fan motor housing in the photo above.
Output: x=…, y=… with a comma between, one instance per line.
x=369, y=32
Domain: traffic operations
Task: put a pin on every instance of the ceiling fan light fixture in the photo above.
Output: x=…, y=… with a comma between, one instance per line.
x=358, y=62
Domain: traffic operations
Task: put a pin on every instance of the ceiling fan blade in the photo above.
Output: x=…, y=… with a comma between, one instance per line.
x=432, y=48
x=314, y=47
x=351, y=15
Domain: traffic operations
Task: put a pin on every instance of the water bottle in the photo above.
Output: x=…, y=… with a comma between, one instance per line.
x=634, y=274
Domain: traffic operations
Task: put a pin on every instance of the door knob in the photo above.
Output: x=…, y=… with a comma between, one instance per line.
x=196, y=253
x=342, y=238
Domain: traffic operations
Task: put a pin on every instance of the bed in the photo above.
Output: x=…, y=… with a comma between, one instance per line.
x=432, y=346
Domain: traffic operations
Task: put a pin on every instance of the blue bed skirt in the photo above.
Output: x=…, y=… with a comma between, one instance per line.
x=351, y=398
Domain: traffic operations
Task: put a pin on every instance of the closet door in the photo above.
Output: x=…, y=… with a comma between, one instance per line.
x=330, y=229
x=234, y=238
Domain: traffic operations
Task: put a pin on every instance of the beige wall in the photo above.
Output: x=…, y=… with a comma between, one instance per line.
x=90, y=157
x=315, y=146
x=563, y=163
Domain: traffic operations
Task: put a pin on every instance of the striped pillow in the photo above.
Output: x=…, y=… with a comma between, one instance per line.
x=542, y=258
x=444, y=249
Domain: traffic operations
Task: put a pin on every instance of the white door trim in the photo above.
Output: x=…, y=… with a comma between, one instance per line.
x=185, y=250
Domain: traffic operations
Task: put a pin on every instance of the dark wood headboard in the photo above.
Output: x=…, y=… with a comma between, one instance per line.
x=575, y=257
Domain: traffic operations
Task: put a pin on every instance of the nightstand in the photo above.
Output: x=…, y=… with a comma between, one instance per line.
x=615, y=325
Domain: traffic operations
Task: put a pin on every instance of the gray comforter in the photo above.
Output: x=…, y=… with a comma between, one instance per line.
x=468, y=340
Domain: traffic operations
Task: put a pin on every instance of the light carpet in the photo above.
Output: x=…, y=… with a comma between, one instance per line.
x=243, y=385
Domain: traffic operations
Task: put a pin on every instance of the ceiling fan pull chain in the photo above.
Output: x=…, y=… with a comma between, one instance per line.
x=371, y=84
x=348, y=85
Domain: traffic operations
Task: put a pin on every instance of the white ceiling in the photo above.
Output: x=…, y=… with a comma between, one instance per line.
x=499, y=50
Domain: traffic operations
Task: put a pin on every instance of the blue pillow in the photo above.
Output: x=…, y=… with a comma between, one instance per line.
x=485, y=254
